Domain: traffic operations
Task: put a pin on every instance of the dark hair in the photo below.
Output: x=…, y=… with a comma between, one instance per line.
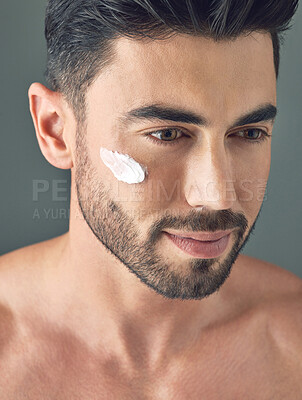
x=80, y=33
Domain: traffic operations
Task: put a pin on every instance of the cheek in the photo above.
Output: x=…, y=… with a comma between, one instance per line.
x=159, y=193
x=251, y=181
x=123, y=167
x=165, y=183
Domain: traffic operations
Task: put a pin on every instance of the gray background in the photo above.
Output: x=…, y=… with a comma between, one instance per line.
x=278, y=234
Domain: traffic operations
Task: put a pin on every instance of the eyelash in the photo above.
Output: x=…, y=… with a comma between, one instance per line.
x=160, y=142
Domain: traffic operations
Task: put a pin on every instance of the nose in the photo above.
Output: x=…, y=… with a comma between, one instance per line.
x=209, y=178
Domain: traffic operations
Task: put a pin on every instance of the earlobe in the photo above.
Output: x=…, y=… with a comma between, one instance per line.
x=46, y=109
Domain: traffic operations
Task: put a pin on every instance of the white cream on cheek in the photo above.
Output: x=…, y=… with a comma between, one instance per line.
x=123, y=167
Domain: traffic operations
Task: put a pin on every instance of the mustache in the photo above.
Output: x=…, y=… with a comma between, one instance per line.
x=196, y=221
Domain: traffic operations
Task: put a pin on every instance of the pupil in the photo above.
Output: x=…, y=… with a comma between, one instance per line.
x=168, y=133
x=250, y=132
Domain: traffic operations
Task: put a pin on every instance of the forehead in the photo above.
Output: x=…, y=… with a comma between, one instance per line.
x=194, y=72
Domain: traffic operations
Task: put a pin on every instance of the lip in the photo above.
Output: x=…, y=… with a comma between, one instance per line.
x=200, y=236
x=200, y=249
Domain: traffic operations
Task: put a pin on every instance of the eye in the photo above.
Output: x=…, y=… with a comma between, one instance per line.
x=172, y=136
x=168, y=136
x=252, y=135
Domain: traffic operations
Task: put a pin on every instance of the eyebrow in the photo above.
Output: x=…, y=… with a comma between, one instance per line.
x=156, y=112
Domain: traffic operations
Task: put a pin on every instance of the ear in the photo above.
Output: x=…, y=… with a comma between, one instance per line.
x=47, y=111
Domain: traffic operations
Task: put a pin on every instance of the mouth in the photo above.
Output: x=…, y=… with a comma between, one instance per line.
x=205, y=248
x=201, y=236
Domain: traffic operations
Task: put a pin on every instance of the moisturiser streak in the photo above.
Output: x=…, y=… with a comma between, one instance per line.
x=123, y=167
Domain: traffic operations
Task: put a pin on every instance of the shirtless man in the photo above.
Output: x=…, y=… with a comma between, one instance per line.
x=168, y=141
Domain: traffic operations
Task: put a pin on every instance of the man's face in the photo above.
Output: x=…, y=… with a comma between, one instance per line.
x=218, y=164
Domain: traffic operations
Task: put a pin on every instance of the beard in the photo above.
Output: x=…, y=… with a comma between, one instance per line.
x=119, y=233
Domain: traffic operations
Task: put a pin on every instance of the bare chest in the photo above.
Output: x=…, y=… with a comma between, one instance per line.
x=66, y=371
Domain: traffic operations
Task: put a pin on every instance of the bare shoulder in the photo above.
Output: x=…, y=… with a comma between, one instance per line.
x=272, y=285
x=279, y=294
x=268, y=279
x=22, y=272
x=22, y=278
x=29, y=255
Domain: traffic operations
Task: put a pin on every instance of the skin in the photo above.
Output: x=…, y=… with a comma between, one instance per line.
x=105, y=311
